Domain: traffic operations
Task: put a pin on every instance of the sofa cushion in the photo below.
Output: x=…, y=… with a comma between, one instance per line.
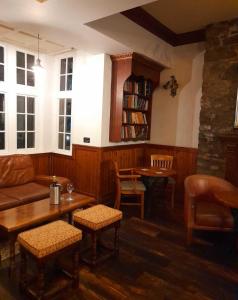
x=16, y=170
x=213, y=214
x=27, y=193
x=7, y=202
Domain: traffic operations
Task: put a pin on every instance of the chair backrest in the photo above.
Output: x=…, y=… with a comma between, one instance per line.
x=201, y=187
x=162, y=161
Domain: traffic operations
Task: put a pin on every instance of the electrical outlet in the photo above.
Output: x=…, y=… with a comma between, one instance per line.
x=86, y=140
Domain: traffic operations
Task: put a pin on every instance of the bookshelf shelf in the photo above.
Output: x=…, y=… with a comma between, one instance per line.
x=134, y=78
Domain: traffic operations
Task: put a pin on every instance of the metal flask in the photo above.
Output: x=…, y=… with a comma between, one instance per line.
x=55, y=190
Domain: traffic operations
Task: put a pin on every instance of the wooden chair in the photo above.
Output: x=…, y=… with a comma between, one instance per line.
x=129, y=185
x=165, y=162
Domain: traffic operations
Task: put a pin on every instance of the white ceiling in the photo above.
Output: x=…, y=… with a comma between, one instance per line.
x=60, y=24
x=66, y=24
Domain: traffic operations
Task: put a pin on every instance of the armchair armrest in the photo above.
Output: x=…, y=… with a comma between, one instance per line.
x=47, y=180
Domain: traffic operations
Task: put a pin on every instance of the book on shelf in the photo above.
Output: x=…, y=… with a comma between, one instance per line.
x=139, y=86
x=134, y=132
x=135, y=102
x=134, y=117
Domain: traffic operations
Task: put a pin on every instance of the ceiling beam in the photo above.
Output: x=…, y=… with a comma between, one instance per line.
x=148, y=22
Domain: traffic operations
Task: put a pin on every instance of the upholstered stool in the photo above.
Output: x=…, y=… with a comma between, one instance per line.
x=94, y=220
x=45, y=243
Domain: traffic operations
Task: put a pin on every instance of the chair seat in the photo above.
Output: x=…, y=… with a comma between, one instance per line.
x=49, y=238
x=98, y=216
x=212, y=214
x=131, y=186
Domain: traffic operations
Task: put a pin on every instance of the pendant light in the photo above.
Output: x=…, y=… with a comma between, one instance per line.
x=37, y=65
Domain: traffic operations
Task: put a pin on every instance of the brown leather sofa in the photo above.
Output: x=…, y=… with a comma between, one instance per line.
x=201, y=209
x=19, y=184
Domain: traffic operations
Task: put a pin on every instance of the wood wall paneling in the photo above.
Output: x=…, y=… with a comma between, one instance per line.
x=91, y=169
x=42, y=163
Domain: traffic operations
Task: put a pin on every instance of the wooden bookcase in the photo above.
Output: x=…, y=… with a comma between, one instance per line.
x=134, y=78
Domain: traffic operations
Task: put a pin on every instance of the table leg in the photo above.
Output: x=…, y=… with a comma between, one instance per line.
x=70, y=218
x=12, y=265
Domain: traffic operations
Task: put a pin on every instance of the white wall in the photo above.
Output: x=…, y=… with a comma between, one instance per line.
x=175, y=120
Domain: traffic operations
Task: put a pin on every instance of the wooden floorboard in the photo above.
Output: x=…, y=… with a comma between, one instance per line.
x=154, y=263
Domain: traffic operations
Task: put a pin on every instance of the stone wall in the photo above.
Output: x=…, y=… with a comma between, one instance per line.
x=219, y=91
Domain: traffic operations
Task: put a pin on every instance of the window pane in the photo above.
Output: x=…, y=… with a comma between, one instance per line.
x=1, y=55
x=70, y=65
x=67, y=142
x=1, y=72
x=61, y=124
x=2, y=121
x=69, y=82
x=2, y=140
x=20, y=76
x=30, y=123
x=20, y=59
x=30, y=105
x=61, y=106
x=30, y=61
x=20, y=140
x=2, y=104
x=68, y=124
x=30, y=78
x=68, y=107
x=20, y=122
x=30, y=139
x=20, y=104
x=62, y=83
x=61, y=141
x=63, y=66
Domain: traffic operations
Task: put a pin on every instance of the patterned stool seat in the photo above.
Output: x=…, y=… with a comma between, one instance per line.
x=49, y=238
x=97, y=217
x=94, y=221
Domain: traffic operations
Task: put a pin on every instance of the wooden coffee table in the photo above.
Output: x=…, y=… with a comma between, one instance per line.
x=17, y=219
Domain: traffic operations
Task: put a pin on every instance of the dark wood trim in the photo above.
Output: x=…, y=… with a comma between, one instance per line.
x=148, y=22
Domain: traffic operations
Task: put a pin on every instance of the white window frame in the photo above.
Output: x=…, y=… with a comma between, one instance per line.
x=66, y=74
x=3, y=64
x=64, y=132
x=5, y=124
x=26, y=96
x=25, y=69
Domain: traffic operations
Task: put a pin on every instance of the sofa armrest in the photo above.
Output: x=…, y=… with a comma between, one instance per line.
x=47, y=180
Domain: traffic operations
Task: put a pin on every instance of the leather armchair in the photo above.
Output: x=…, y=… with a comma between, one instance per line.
x=201, y=209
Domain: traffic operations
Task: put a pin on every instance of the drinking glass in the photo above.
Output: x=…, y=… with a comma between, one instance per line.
x=70, y=189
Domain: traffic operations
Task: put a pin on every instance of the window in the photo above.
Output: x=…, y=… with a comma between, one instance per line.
x=1, y=63
x=25, y=122
x=66, y=74
x=25, y=74
x=64, y=135
x=2, y=121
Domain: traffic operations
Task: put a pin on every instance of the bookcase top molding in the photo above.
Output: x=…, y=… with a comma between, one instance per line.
x=137, y=58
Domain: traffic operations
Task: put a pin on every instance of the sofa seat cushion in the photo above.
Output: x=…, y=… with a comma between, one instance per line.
x=28, y=192
x=213, y=214
x=7, y=202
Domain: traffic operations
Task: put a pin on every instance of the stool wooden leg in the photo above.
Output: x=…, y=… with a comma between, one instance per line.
x=76, y=269
x=41, y=280
x=94, y=247
x=23, y=270
x=116, y=238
